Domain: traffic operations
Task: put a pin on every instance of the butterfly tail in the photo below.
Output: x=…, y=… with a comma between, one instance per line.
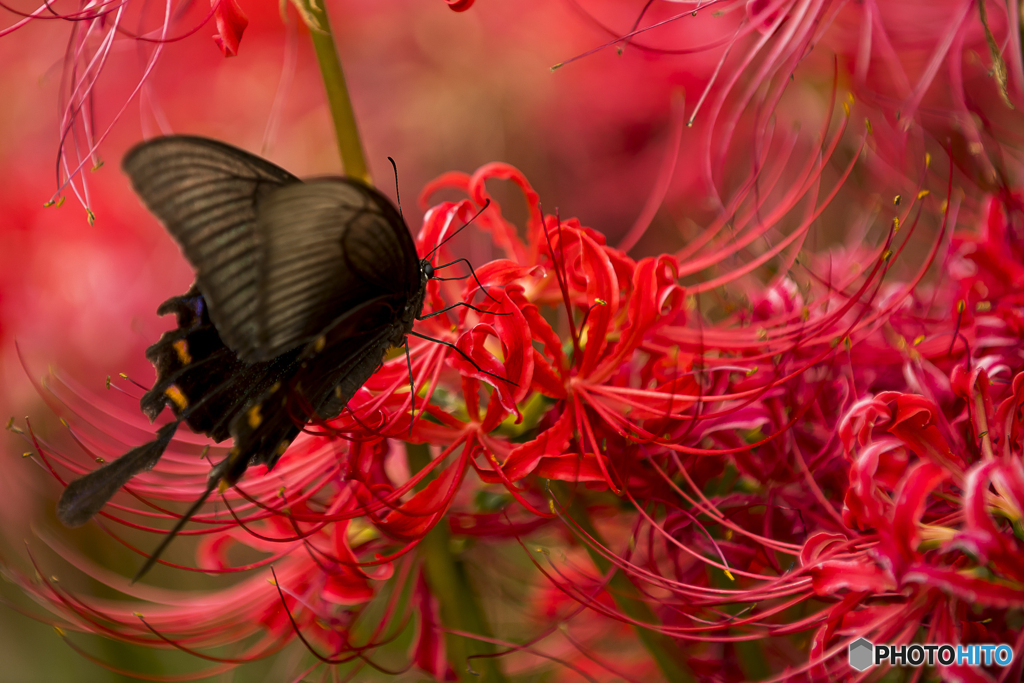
x=84, y=497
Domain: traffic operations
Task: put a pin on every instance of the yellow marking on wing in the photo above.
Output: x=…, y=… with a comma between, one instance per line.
x=181, y=348
x=174, y=393
x=254, y=417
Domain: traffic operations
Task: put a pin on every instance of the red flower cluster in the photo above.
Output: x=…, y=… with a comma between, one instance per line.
x=94, y=37
x=727, y=462
x=713, y=466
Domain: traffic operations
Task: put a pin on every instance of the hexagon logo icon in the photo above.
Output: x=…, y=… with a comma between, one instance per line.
x=861, y=651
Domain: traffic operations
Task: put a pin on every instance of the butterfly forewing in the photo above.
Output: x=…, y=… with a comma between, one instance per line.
x=314, y=263
x=206, y=194
x=380, y=250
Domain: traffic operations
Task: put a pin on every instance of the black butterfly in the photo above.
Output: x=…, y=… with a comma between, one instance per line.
x=301, y=287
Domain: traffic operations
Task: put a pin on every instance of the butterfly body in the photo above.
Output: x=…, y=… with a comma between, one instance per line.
x=301, y=287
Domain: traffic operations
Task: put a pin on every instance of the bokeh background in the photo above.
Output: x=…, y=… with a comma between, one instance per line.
x=436, y=90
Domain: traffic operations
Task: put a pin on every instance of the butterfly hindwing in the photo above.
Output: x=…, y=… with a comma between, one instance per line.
x=84, y=497
x=325, y=378
x=198, y=377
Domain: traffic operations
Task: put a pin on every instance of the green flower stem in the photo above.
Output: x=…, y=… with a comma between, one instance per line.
x=350, y=146
x=628, y=598
x=448, y=580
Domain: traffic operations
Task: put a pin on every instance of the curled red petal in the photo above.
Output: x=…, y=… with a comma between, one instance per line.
x=982, y=537
x=452, y=180
x=914, y=423
x=831, y=577
x=517, y=346
x=504, y=233
x=857, y=424
x=1009, y=480
x=542, y=332
x=970, y=589
x=231, y=23
x=413, y=519
x=499, y=273
x=1010, y=418
x=343, y=586
x=917, y=485
x=970, y=385
x=441, y=221
x=655, y=298
x=459, y=5
x=865, y=504
x=571, y=467
x=546, y=379
x=487, y=367
x=820, y=544
x=551, y=442
x=602, y=294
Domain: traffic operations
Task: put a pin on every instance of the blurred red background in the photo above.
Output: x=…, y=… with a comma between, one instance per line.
x=438, y=91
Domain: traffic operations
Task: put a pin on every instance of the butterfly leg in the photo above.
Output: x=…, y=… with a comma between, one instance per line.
x=461, y=303
x=471, y=272
x=412, y=388
x=464, y=355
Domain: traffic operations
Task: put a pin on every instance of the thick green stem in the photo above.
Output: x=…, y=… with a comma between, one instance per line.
x=350, y=146
x=460, y=610
x=628, y=598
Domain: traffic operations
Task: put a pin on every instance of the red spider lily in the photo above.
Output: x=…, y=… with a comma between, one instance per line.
x=300, y=510
x=753, y=449
x=719, y=437
x=634, y=388
x=930, y=503
x=612, y=388
x=928, y=539
x=576, y=363
x=98, y=32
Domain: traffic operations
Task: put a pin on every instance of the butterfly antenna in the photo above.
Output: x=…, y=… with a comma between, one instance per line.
x=449, y=237
x=398, y=196
x=152, y=559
